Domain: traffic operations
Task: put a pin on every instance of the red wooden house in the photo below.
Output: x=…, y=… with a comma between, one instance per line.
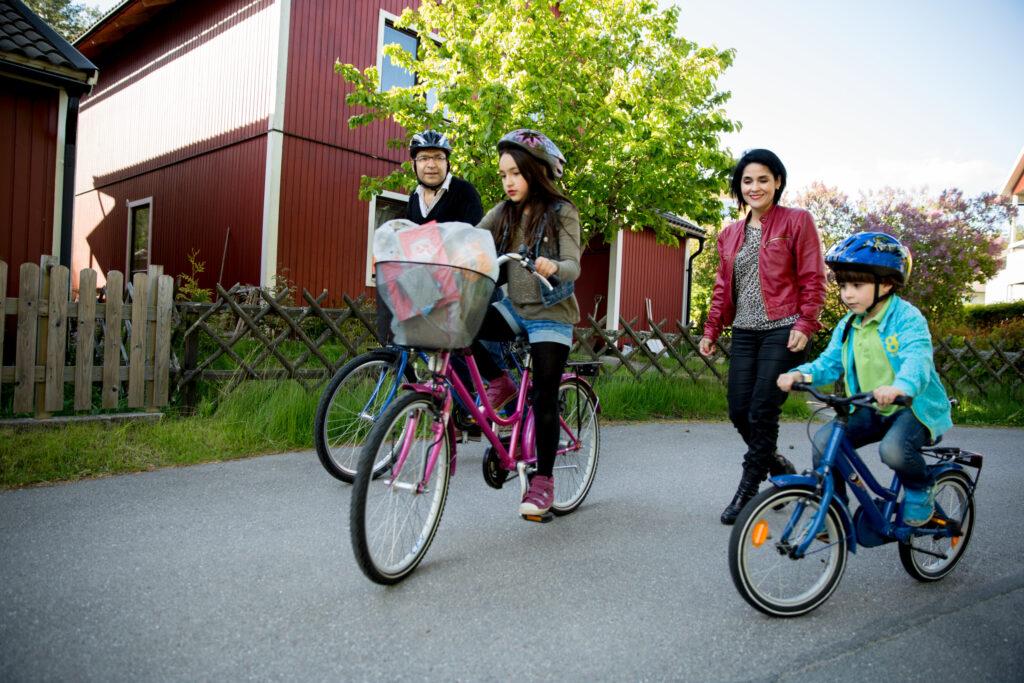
x=220, y=129
x=42, y=78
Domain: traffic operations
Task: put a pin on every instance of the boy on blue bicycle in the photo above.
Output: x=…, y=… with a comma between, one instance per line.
x=883, y=346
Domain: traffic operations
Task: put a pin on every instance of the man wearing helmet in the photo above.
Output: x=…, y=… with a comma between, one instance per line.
x=883, y=346
x=440, y=196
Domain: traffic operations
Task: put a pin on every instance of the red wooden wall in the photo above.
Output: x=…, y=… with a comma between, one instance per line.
x=655, y=271
x=28, y=153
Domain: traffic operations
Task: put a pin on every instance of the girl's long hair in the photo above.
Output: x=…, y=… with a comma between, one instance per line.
x=541, y=199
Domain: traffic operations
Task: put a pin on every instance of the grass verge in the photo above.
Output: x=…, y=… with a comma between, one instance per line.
x=258, y=418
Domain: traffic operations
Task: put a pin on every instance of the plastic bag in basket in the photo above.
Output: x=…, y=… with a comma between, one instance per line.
x=435, y=278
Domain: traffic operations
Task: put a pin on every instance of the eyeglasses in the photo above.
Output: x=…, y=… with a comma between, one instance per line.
x=426, y=158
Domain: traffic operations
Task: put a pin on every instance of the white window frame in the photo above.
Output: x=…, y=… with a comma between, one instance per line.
x=372, y=226
x=383, y=19
x=129, y=236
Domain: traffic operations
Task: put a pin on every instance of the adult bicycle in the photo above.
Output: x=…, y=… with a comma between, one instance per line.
x=788, y=549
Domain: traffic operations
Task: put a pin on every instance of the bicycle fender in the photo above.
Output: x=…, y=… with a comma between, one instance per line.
x=793, y=480
x=587, y=389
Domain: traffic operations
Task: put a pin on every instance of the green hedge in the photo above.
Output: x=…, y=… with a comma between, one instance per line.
x=988, y=315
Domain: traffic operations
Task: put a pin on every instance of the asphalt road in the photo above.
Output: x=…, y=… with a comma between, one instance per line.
x=243, y=571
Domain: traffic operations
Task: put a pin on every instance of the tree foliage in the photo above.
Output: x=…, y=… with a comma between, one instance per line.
x=955, y=240
x=634, y=108
x=70, y=19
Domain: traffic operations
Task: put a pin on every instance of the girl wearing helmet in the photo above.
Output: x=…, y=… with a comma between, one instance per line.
x=883, y=346
x=538, y=217
x=770, y=288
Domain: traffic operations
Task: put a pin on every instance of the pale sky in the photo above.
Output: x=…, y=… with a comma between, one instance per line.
x=861, y=95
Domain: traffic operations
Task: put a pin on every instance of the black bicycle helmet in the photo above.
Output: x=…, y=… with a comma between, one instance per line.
x=429, y=139
x=536, y=144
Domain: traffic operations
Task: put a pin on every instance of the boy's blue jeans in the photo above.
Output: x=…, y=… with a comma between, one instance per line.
x=901, y=436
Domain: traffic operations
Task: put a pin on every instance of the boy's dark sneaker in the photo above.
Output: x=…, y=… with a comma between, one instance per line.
x=918, y=506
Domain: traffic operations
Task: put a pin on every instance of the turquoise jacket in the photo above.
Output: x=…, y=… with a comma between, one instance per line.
x=908, y=346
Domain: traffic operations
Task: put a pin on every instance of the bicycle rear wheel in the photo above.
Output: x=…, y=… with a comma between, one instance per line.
x=351, y=402
x=954, y=500
x=759, y=561
x=580, y=438
x=394, y=516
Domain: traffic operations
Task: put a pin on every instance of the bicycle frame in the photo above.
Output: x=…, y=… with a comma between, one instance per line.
x=444, y=381
x=840, y=457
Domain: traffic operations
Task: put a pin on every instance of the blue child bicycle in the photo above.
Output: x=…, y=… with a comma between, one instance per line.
x=788, y=549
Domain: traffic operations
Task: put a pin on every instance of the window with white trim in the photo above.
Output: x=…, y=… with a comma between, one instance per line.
x=140, y=236
x=384, y=207
x=392, y=75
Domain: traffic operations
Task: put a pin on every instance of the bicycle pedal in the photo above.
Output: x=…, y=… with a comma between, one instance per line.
x=542, y=519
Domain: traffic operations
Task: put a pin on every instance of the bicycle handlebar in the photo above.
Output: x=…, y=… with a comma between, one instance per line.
x=527, y=263
x=864, y=399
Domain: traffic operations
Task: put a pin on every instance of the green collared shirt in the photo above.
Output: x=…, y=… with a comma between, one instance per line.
x=872, y=365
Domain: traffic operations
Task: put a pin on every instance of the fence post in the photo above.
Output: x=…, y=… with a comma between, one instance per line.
x=56, y=337
x=3, y=319
x=112, y=339
x=86, y=338
x=164, y=296
x=25, y=354
x=189, y=392
x=137, y=354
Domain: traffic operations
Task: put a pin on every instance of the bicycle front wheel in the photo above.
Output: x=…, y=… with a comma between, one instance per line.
x=953, y=502
x=394, y=516
x=769, y=527
x=579, y=445
x=353, y=399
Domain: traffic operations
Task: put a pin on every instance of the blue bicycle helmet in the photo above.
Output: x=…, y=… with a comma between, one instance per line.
x=872, y=252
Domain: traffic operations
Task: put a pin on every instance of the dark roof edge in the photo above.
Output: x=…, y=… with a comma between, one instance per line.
x=683, y=225
x=66, y=49
x=116, y=9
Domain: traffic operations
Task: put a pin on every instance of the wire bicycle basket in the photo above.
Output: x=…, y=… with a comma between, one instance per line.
x=436, y=279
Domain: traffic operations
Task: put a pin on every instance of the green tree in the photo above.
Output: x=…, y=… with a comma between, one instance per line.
x=70, y=19
x=634, y=107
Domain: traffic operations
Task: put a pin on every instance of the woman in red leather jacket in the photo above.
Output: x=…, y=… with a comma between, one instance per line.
x=770, y=288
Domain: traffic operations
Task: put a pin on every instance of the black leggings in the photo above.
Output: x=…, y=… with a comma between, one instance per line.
x=757, y=358
x=548, y=361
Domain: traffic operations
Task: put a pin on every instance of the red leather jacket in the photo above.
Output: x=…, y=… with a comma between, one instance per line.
x=790, y=264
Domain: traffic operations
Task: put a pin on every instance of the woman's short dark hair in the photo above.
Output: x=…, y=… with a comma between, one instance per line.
x=758, y=156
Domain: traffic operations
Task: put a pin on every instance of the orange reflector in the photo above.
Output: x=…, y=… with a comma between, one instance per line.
x=954, y=541
x=760, y=534
x=940, y=522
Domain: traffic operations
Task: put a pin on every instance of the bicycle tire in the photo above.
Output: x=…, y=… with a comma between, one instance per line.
x=339, y=432
x=762, y=571
x=954, y=495
x=574, y=471
x=392, y=522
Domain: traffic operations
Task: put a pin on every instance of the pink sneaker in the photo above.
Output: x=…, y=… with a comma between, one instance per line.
x=500, y=391
x=539, y=496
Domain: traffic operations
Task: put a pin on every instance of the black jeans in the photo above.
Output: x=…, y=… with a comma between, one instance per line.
x=547, y=360
x=757, y=358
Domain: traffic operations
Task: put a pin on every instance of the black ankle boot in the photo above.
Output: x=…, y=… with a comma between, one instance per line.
x=744, y=492
x=778, y=464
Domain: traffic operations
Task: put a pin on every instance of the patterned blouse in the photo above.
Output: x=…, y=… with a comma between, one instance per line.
x=750, y=312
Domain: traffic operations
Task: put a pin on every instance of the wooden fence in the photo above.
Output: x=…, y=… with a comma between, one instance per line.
x=54, y=328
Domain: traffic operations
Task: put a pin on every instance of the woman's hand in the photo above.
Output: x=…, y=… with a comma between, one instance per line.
x=885, y=395
x=545, y=266
x=706, y=346
x=797, y=341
